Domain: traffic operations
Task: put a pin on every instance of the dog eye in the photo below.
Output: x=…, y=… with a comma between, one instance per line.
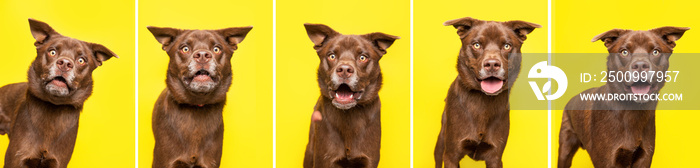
x=655, y=52
x=476, y=45
x=81, y=61
x=363, y=58
x=624, y=53
x=52, y=52
x=331, y=57
x=217, y=50
x=506, y=46
x=185, y=49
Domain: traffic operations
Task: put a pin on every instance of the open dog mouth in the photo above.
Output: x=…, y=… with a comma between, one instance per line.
x=640, y=87
x=57, y=86
x=201, y=81
x=59, y=81
x=491, y=84
x=345, y=95
x=202, y=76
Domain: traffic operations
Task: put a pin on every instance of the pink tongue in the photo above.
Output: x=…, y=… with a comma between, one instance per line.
x=640, y=89
x=344, y=95
x=58, y=83
x=202, y=78
x=491, y=85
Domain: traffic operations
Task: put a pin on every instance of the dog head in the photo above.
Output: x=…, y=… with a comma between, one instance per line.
x=639, y=51
x=199, y=71
x=62, y=70
x=349, y=72
x=489, y=59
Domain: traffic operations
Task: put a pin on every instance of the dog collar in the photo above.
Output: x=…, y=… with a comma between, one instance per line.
x=200, y=105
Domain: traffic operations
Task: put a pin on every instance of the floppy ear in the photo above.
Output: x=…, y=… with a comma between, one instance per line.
x=41, y=31
x=164, y=35
x=522, y=28
x=670, y=34
x=381, y=41
x=610, y=36
x=463, y=25
x=101, y=53
x=234, y=35
x=319, y=33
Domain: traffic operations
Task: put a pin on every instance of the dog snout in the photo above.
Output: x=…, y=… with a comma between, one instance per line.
x=640, y=66
x=64, y=64
x=345, y=71
x=492, y=65
x=202, y=56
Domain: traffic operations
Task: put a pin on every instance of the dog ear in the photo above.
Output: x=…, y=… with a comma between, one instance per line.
x=381, y=41
x=319, y=34
x=164, y=35
x=101, y=53
x=670, y=34
x=610, y=36
x=234, y=35
x=463, y=25
x=41, y=31
x=521, y=28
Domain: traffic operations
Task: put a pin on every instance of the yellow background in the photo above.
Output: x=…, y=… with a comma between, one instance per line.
x=106, y=132
x=576, y=23
x=297, y=62
x=248, y=111
x=435, y=57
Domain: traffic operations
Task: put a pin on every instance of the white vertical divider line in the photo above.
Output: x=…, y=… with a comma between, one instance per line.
x=136, y=82
x=411, y=87
x=549, y=102
x=274, y=83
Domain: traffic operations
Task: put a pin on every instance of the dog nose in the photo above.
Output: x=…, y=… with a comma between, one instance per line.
x=640, y=66
x=64, y=64
x=492, y=65
x=202, y=56
x=345, y=70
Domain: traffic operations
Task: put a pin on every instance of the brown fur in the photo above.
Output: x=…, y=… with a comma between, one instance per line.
x=475, y=122
x=187, y=117
x=42, y=125
x=618, y=133
x=349, y=135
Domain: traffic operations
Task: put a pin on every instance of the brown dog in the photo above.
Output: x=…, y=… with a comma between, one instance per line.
x=476, y=117
x=187, y=117
x=41, y=116
x=350, y=78
x=620, y=133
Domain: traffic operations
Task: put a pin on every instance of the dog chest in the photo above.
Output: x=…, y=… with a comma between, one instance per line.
x=349, y=137
x=193, y=124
